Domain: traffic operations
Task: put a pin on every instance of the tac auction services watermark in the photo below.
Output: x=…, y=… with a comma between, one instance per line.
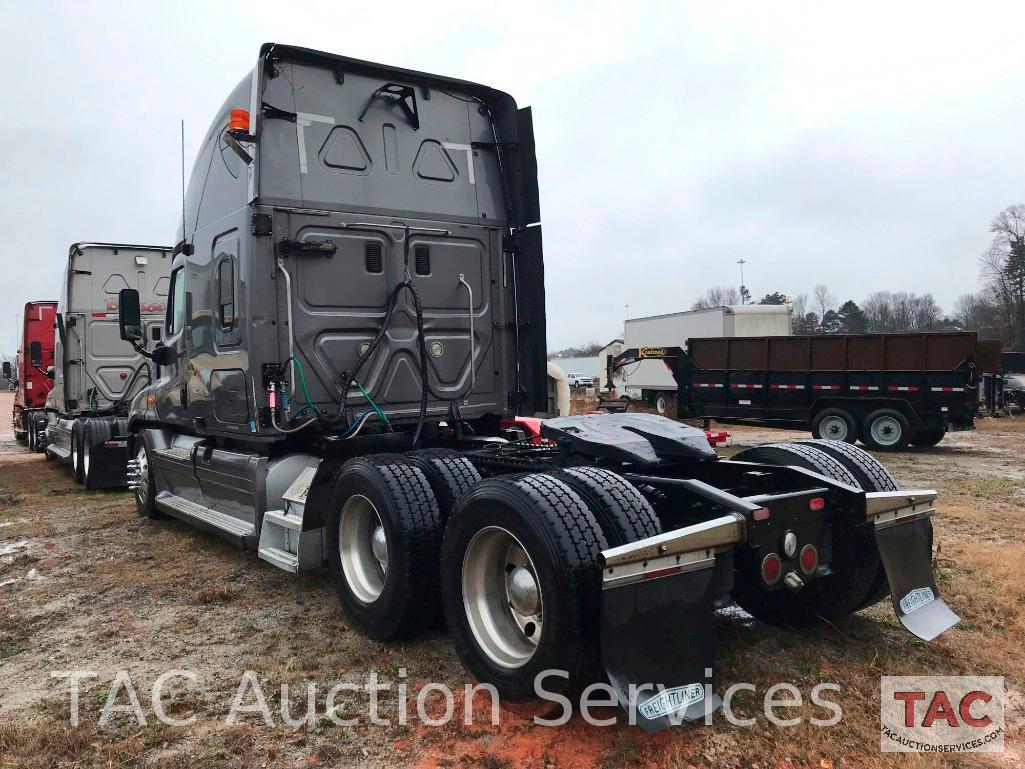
x=942, y=714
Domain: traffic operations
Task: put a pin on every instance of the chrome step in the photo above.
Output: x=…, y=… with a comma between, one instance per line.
x=284, y=544
x=58, y=450
x=175, y=505
x=280, y=558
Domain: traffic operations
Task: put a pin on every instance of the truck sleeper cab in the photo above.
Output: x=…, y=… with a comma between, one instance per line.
x=34, y=376
x=95, y=371
x=355, y=345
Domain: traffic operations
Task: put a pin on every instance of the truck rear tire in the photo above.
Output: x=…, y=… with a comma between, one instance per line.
x=450, y=474
x=835, y=425
x=383, y=546
x=622, y=513
x=855, y=557
x=928, y=437
x=661, y=403
x=77, y=428
x=871, y=476
x=885, y=430
x=96, y=431
x=521, y=584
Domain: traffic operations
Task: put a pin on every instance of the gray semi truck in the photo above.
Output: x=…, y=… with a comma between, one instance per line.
x=355, y=337
x=96, y=373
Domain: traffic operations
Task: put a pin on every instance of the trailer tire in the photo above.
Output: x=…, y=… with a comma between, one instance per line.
x=928, y=437
x=524, y=543
x=382, y=499
x=855, y=558
x=835, y=424
x=145, y=493
x=77, y=428
x=450, y=474
x=885, y=430
x=871, y=476
x=622, y=513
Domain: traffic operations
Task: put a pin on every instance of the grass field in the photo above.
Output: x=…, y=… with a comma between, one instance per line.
x=85, y=584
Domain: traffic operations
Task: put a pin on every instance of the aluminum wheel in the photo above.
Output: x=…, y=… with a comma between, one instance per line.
x=142, y=460
x=834, y=428
x=85, y=458
x=363, y=548
x=886, y=431
x=502, y=597
x=74, y=453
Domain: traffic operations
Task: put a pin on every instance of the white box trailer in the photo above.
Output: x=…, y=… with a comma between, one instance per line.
x=651, y=381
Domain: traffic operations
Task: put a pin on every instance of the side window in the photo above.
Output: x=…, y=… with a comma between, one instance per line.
x=176, y=309
x=226, y=293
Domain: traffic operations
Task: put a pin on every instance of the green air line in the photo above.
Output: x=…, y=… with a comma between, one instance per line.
x=302, y=382
x=371, y=401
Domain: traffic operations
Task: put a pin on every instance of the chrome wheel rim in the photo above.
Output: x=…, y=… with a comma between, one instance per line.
x=886, y=431
x=142, y=490
x=363, y=548
x=85, y=457
x=834, y=428
x=74, y=453
x=502, y=597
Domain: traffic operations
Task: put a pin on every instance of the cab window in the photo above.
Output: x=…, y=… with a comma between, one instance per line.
x=176, y=310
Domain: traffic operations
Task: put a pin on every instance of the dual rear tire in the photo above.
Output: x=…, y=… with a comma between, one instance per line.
x=883, y=429
x=511, y=562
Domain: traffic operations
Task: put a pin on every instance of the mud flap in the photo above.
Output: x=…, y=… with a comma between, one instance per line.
x=657, y=624
x=657, y=641
x=904, y=538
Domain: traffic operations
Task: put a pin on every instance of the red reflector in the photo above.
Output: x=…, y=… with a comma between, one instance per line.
x=816, y=503
x=809, y=559
x=662, y=572
x=124, y=375
x=239, y=120
x=772, y=569
x=760, y=514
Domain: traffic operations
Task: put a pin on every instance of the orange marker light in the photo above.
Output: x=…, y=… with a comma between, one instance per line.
x=239, y=120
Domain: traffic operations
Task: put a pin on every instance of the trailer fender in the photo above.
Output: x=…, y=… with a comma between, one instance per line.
x=657, y=620
x=903, y=530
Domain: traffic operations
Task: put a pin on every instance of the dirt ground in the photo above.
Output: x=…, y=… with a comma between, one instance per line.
x=87, y=585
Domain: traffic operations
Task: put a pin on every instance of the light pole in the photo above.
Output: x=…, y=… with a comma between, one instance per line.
x=743, y=290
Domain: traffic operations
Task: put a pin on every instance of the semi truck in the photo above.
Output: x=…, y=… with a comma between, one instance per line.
x=354, y=349
x=888, y=390
x=33, y=378
x=651, y=382
x=95, y=371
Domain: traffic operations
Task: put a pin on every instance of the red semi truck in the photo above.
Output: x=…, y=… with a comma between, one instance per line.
x=34, y=375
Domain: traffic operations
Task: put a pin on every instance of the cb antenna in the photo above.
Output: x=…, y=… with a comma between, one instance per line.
x=183, y=180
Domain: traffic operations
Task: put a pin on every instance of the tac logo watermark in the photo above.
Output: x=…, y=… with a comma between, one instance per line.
x=942, y=714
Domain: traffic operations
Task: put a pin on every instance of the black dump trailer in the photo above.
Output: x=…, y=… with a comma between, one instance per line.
x=354, y=345
x=888, y=390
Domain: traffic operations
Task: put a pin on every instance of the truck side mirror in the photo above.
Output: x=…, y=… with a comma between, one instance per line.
x=7, y=369
x=35, y=353
x=129, y=315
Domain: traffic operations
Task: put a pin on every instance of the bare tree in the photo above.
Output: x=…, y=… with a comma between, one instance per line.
x=825, y=300
x=1003, y=270
x=799, y=307
x=717, y=296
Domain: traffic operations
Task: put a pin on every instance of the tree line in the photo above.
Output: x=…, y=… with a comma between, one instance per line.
x=996, y=311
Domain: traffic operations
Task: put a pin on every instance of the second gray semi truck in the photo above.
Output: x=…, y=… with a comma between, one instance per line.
x=96, y=373
x=355, y=335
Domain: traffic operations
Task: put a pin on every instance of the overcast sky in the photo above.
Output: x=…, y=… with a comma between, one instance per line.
x=860, y=145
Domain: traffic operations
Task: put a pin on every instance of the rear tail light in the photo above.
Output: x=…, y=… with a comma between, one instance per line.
x=772, y=569
x=816, y=503
x=760, y=513
x=809, y=559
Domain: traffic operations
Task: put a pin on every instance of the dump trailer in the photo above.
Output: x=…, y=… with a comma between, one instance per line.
x=355, y=347
x=652, y=382
x=95, y=371
x=33, y=376
x=888, y=390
